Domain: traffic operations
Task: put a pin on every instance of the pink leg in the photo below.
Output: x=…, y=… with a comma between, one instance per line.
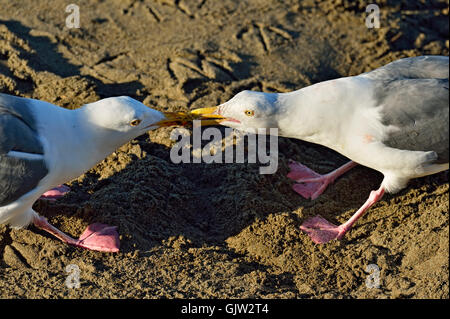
x=97, y=236
x=313, y=184
x=56, y=192
x=321, y=231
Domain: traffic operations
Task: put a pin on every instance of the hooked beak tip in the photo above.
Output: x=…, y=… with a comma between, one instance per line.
x=206, y=111
x=171, y=118
x=208, y=115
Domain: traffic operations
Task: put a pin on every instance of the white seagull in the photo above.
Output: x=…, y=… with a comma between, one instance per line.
x=43, y=146
x=394, y=119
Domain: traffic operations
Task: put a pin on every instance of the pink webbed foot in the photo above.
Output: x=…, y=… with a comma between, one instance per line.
x=322, y=231
x=303, y=175
x=100, y=237
x=311, y=184
x=56, y=193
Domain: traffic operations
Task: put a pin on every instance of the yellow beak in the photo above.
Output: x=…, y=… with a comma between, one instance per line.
x=181, y=118
x=205, y=111
x=174, y=118
x=207, y=117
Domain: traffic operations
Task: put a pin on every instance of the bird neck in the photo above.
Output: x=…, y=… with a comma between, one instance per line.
x=94, y=143
x=315, y=113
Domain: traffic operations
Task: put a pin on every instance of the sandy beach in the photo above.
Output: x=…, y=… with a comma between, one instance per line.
x=219, y=230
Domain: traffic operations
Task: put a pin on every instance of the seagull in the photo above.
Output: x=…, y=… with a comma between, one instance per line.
x=394, y=119
x=43, y=146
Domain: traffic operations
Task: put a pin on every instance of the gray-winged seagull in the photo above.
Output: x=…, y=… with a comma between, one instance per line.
x=394, y=119
x=43, y=146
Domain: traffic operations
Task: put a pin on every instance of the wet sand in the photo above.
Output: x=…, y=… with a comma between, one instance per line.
x=219, y=230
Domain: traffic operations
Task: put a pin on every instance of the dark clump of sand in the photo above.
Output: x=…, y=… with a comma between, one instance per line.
x=219, y=230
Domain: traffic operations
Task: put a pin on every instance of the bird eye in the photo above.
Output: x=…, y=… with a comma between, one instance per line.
x=249, y=112
x=135, y=122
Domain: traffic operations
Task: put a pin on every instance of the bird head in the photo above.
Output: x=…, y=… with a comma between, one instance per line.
x=247, y=110
x=120, y=119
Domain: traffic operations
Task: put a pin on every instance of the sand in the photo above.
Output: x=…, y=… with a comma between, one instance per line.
x=219, y=230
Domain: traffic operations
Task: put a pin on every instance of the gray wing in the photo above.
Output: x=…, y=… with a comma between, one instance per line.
x=18, y=133
x=421, y=67
x=419, y=108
